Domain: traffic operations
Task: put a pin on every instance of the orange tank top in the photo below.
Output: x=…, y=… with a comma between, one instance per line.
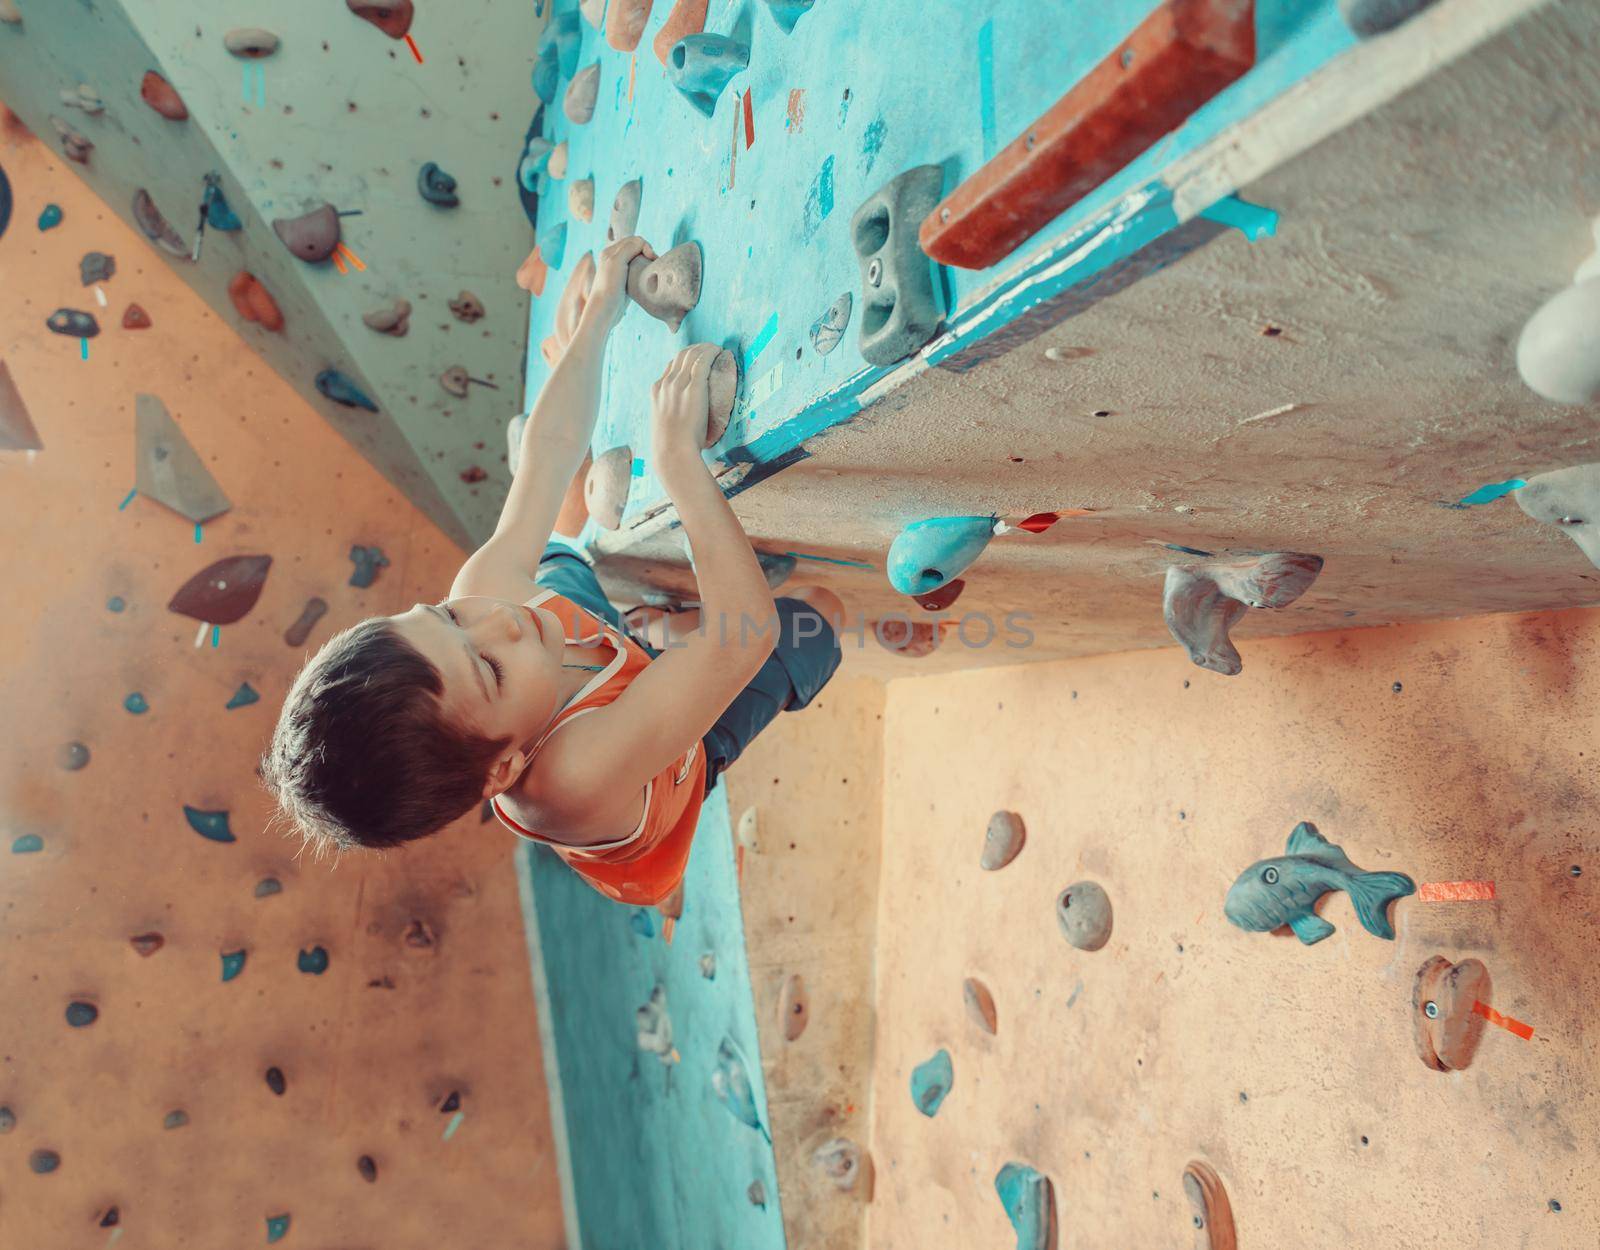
x=646, y=866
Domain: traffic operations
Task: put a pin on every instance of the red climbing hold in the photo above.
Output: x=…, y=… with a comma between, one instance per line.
x=688, y=17
x=392, y=17
x=159, y=94
x=135, y=318
x=252, y=301
x=224, y=592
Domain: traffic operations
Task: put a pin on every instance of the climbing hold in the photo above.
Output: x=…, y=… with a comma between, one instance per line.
x=708, y=965
x=116, y=603
x=722, y=386
x=81, y=1015
x=625, y=211
x=44, y=1162
x=748, y=830
x=74, y=146
x=900, y=310
x=368, y=1169
x=640, y=922
x=671, y=907
x=436, y=186
x=794, y=1007
x=553, y=245
x=135, y=318
x=465, y=307
x=159, y=94
x=1569, y=498
x=232, y=964
x=418, y=935
x=73, y=323
x=136, y=703
x=777, y=568
x=50, y=218
x=605, y=489
x=96, y=267
x=668, y=287
x=313, y=961
x=625, y=21
x=828, y=329
x=276, y=1082
x=167, y=468
x=211, y=825
x=268, y=886
x=367, y=560
x=392, y=17
x=1373, y=17
x=250, y=42
x=927, y=554
x=1443, y=1024
x=843, y=1162
x=455, y=380
x=556, y=163
x=1083, y=911
x=394, y=320
x=147, y=944
x=343, y=391
x=1029, y=1200
x=1285, y=890
x=156, y=228
x=980, y=1004
x=313, y=612
x=84, y=97
x=688, y=17
x=757, y=1194
x=242, y=697
x=730, y=1082
x=582, y=92
x=278, y=1225
x=701, y=65
x=72, y=756
x=1558, y=352
x=574, y=299
x=930, y=1083
x=939, y=600
x=27, y=844
x=910, y=640
x=222, y=592
x=1202, y=603
x=787, y=12
x=17, y=431
x=219, y=214
x=175, y=1119
x=557, y=57
x=1209, y=1209
x=580, y=199
x=8, y=1119
x=535, y=160
x=652, y=1025
x=313, y=235
x=1002, y=841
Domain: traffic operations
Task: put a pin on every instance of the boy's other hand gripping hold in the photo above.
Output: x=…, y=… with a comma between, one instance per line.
x=608, y=298
x=680, y=400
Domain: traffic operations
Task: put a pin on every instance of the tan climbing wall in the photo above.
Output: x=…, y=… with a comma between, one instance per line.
x=810, y=904
x=1290, y=1068
x=370, y=1048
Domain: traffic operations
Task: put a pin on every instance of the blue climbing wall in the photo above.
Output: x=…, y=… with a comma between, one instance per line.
x=652, y=1157
x=854, y=95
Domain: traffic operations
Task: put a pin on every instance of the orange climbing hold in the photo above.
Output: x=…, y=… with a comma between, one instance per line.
x=688, y=17
x=159, y=94
x=253, y=302
x=532, y=273
x=625, y=21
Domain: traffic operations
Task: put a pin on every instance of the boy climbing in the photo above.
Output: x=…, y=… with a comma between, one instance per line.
x=525, y=687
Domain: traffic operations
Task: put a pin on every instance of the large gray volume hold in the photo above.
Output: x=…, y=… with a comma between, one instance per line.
x=899, y=307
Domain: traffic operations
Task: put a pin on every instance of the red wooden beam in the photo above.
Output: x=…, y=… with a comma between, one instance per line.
x=1177, y=59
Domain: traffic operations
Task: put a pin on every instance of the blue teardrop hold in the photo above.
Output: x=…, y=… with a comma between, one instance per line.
x=232, y=964
x=213, y=825
x=314, y=961
x=136, y=704
x=244, y=696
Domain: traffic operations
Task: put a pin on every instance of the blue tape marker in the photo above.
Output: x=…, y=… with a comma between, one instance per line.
x=216, y=635
x=128, y=500
x=986, y=85
x=767, y=333
x=1193, y=551
x=197, y=532
x=819, y=202
x=455, y=1123
x=1491, y=491
x=636, y=469
x=85, y=343
x=854, y=564
x=1252, y=220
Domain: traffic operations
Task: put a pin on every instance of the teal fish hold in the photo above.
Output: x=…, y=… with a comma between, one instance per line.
x=1285, y=890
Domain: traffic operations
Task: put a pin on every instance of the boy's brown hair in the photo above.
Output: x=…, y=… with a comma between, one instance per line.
x=363, y=755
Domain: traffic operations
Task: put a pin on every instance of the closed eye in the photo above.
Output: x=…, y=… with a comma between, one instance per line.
x=494, y=664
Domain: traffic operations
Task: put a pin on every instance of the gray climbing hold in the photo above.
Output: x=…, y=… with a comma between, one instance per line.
x=244, y=696
x=72, y=756
x=250, y=42
x=43, y=1162
x=701, y=65
x=436, y=186
x=175, y=1119
x=722, y=387
x=367, y=560
x=156, y=228
x=756, y=1192
x=730, y=1082
x=1558, y=351
x=582, y=92
x=209, y=824
x=73, y=323
x=233, y=964
x=605, y=489
x=313, y=612
x=668, y=288
x=466, y=307
x=1569, y=499
x=84, y=97
x=625, y=211
x=343, y=391
x=1373, y=17
x=268, y=886
x=828, y=329
x=146, y=944
x=74, y=146
x=580, y=199
x=842, y=1161
x=313, y=961
x=312, y=235
x=81, y=1015
x=1083, y=910
x=900, y=309
x=930, y=1083
x=394, y=320
x=167, y=468
x=1002, y=841
x=276, y=1082
x=96, y=267
x=455, y=381
x=8, y=1119
x=777, y=568
x=708, y=965
x=1202, y=603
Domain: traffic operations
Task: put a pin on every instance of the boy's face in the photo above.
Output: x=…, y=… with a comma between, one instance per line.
x=501, y=664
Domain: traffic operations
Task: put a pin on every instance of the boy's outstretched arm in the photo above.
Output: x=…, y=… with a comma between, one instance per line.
x=559, y=429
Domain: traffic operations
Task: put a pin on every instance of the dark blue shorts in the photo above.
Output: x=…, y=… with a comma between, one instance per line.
x=805, y=657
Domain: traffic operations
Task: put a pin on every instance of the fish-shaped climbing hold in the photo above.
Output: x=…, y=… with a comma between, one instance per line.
x=222, y=592
x=930, y=1083
x=1029, y=1199
x=392, y=17
x=312, y=235
x=927, y=554
x=343, y=391
x=1285, y=890
x=211, y=825
x=436, y=186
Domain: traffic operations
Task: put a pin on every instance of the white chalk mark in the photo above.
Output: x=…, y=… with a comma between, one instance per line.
x=101, y=296
x=200, y=636
x=1270, y=412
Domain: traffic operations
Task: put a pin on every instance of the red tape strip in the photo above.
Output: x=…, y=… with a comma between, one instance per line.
x=1510, y=1025
x=1455, y=891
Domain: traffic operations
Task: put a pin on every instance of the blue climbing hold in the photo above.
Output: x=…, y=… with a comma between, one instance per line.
x=1030, y=1202
x=930, y=1082
x=232, y=964
x=368, y=560
x=342, y=390
x=51, y=217
x=213, y=825
x=553, y=245
x=787, y=12
x=277, y=1228
x=136, y=704
x=640, y=922
x=81, y=1015
x=27, y=844
x=701, y=65
x=268, y=886
x=219, y=216
x=244, y=696
x=557, y=55
x=314, y=961
x=927, y=554
x=116, y=603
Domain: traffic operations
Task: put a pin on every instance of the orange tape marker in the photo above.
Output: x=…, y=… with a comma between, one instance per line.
x=412, y=44
x=1455, y=891
x=338, y=261
x=341, y=249
x=1510, y=1025
x=633, y=65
